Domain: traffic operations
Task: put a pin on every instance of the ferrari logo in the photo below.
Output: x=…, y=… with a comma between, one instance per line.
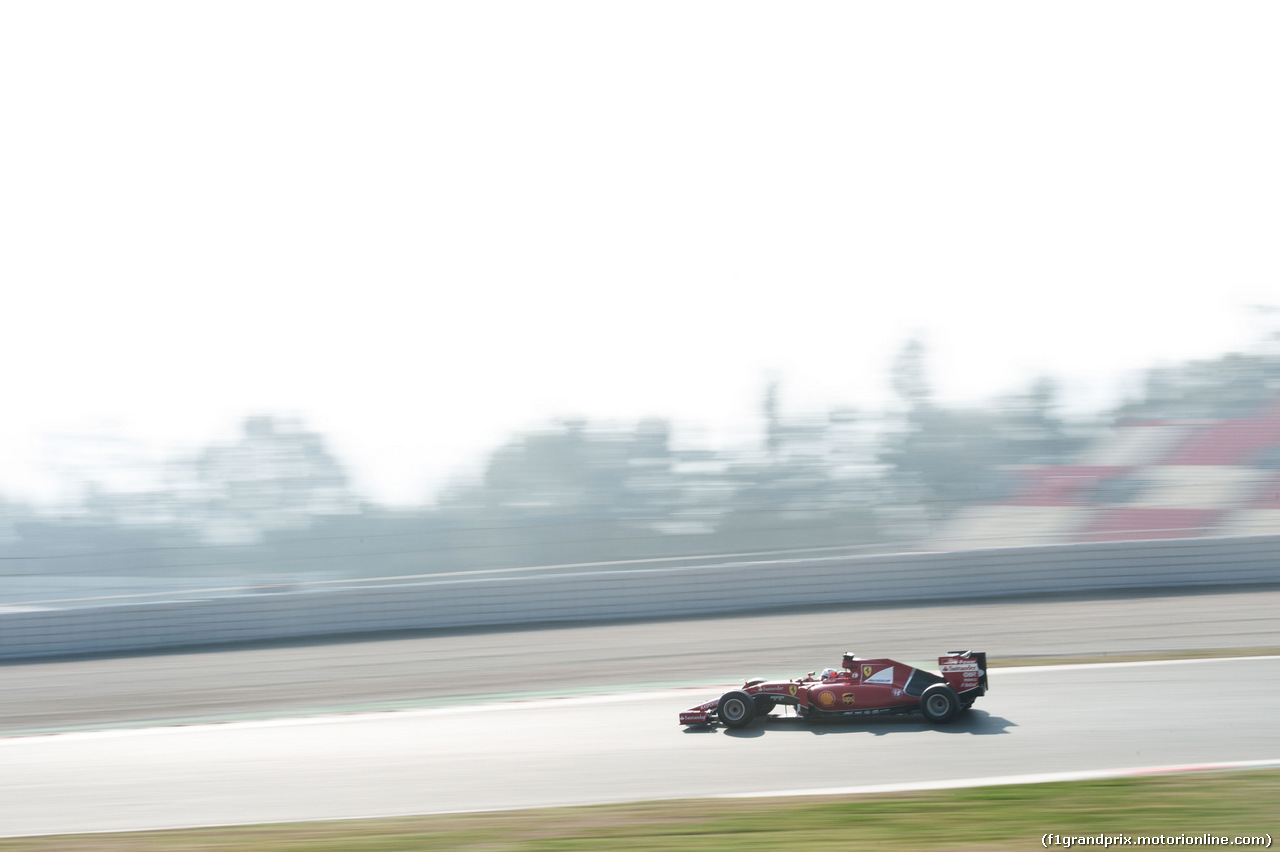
x=882, y=676
x=866, y=671
x=793, y=689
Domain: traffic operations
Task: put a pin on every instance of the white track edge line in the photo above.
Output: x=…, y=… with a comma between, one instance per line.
x=533, y=704
x=1002, y=780
x=1066, y=667
x=922, y=786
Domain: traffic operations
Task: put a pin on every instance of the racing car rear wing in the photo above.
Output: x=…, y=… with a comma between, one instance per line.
x=965, y=670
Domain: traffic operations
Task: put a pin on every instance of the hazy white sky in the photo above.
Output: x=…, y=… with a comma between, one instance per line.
x=421, y=226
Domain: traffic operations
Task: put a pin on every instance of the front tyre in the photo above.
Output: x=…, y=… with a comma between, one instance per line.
x=764, y=704
x=939, y=703
x=736, y=709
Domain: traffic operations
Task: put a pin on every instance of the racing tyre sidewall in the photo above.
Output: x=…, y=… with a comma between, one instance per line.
x=736, y=709
x=939, y=703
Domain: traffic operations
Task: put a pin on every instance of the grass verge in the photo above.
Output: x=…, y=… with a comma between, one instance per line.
x=1226, y=804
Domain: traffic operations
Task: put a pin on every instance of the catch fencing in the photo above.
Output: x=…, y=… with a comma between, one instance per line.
x=555, y=594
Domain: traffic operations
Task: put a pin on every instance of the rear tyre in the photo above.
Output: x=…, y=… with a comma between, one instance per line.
x=939, y=703
x=736, y=709
x=764, y=704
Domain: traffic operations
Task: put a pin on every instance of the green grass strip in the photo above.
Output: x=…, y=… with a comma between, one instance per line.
x=1225, y=804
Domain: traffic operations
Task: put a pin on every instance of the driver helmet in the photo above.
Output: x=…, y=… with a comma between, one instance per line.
x=828, y=674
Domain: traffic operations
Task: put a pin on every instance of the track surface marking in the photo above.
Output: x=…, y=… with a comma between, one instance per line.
x=625, y=748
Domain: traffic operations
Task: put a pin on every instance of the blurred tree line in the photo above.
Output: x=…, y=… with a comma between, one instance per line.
x=275, y=503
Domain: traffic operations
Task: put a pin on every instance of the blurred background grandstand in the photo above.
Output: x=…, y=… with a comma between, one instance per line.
x=1198, y=455
x=1195, y=453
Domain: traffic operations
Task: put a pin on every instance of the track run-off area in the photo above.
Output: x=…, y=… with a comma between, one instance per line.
x=624, y=744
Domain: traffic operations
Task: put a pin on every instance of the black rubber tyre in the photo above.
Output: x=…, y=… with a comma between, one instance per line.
x=764, y=704
x=939, y=703
x=736, y=709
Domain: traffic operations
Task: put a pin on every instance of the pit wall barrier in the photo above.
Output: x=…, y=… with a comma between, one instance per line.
x=554, y=595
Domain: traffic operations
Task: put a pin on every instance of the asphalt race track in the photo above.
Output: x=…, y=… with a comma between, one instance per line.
x=296, y=759
x=291, y=679
x=624, y=748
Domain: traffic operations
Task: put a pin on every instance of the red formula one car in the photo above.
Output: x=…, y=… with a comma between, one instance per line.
x=861, y=688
